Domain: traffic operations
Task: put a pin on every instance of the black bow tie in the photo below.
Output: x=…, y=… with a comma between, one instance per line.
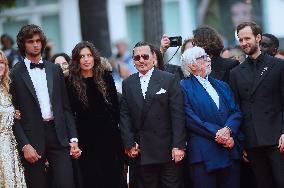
x=36, y=65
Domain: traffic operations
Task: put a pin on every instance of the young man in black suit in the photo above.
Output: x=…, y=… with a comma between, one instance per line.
x=258, y=84
x=152, y=121
x=46, y=130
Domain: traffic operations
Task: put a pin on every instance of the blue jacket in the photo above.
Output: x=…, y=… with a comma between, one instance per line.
x=204, y=119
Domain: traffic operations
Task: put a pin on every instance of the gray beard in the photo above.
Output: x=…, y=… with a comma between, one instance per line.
x=208, y=71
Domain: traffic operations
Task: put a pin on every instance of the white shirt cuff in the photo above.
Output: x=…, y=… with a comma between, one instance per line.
x=74, y=140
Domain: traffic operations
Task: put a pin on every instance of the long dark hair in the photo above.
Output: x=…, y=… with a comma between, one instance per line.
x=160, y=58
x=76, y=77
x=66, y=57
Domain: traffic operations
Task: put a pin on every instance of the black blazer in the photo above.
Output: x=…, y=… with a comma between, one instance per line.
x=30, y=129
x=221, y=68
x=261, y=101
x=174, y=69
x=157, y=123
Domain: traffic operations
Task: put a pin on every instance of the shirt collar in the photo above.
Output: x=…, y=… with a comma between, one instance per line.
x=149, y=73
x=28, y=62
x=199, y=78
x=258, y=59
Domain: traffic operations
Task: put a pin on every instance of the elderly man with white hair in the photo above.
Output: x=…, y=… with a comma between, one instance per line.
x=212, y=121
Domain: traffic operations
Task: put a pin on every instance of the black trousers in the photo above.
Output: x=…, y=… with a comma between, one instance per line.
x=247, y=175
x=268, y=166
x=169, y=175
x=59, y=163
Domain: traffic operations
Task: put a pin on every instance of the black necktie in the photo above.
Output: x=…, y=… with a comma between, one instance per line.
x=36, y=65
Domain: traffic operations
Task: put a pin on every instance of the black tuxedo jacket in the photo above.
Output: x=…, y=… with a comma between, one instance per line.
x=30, y=129
x=261, y=98
x=157, y=123
x=174, y=69
x=221, y=67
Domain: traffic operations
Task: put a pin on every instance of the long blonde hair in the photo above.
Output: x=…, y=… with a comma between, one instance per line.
x=5, y=79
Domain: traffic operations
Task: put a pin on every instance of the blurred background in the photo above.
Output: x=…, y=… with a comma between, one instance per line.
x=106, y=22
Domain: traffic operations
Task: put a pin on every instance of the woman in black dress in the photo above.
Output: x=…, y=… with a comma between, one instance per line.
x=94, y=102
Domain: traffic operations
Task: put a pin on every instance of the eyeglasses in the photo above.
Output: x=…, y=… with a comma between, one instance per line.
x=144, y=56
x=204, y=57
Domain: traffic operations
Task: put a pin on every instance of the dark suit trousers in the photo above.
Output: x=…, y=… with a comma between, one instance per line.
x=247, y=175
x=268, y=166
x=222, y=178
x=169, y=175
x=59, y=163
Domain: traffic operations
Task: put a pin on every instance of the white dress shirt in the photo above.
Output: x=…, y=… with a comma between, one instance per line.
x=209, y=88
x=144, y=81
x=38, y=77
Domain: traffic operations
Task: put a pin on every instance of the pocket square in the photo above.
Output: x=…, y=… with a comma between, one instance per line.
x=161, y=91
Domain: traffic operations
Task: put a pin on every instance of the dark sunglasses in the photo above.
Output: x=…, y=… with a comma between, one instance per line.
x=144, y=56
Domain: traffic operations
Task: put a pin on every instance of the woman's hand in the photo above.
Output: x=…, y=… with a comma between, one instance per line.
x=17, y=114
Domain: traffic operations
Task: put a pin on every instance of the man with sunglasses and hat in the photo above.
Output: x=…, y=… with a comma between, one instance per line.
x=152, y=121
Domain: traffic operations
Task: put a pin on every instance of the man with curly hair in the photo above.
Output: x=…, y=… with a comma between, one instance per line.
x=209, y=39
x=46, y=130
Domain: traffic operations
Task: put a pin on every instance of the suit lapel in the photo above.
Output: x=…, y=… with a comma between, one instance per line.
x=137, y=92
x=28, y=81
x=246, y=71
x=261, y=74
x=217, y=68
x=201, y=101
x=223, y=106
x=153, y=87
x=204, y=92
x=49, y=78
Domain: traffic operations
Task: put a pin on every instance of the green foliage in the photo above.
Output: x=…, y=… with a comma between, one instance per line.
x=7, y=4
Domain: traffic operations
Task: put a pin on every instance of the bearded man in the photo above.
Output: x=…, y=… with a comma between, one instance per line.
x=258, y=84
